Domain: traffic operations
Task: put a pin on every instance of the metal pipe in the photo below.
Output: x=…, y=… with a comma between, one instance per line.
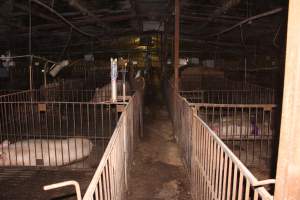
x=271, y=12
x=30, y=73
x=245, y=66
x=85, y=11
x=176, y=44
x=45, y=74
x=124, y=83
x=62, y=18
x=219, y=11
x=29, y=46
x=29, y=29
x=33, y=56
x=64, y=184
x=114, y=76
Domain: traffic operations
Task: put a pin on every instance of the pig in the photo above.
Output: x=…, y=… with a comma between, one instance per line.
x=230, y=128
x=104, y=93
x=43, y=152
x=99, y=96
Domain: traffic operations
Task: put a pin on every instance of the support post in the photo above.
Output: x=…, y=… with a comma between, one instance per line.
x=30, y=74
x=176, y=45
x=45, y=74
x=288, y=166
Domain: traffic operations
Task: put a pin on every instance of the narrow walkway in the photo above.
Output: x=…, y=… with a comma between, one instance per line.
x=158, y=172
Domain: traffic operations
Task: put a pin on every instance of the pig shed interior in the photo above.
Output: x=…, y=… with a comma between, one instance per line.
x=149, y=99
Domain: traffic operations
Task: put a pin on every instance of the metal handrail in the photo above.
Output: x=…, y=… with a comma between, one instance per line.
x=179, y=113
x=64, y=184
x=253, y=180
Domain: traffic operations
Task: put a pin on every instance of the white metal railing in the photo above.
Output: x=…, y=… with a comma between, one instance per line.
x=215, y=171
x=233, y=96
x=111, y=176
x=110, y=179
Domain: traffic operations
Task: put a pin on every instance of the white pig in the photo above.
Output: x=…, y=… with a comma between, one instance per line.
x=42, y=152
x=228, y=128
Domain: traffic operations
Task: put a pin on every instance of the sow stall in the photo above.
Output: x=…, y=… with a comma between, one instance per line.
x=243, y=117
x=48, y=134
x=218, y=171
x=247, y=129
x=241, y=114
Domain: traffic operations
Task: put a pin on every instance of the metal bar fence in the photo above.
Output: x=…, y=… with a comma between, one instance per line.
x=180, y=114
x=259, y=96
x=190, y=83
x=112, y=173
x=59, y=94
x=248, y=130
x=7, y=91
x=110, y=178
x=53, y=134
x=215, y=171
x=52, y=127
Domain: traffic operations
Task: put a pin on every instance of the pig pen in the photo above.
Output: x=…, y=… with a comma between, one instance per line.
x=49, y=136
x=247, y=129
x=259, y=95
x=241, y=114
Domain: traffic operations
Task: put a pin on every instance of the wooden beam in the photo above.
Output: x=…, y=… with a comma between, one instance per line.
x=288, y=167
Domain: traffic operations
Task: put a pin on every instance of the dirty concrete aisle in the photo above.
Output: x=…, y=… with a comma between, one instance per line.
x=158, y=172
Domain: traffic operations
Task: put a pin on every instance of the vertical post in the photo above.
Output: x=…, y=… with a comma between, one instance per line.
x=288, y=166
x=114, y=76
x=245, y=66
x=176, y=44
x=30, y=45
x=30, y=73
x=124, y=82
x=161, y=53
x=165, y=46
x=125, y=149
x=45, y=74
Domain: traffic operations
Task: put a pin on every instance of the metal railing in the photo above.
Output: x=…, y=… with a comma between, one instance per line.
x=247, y=129
x=66, y=94
x=110, y=180
x=189, y=83
x=52, y=134
x=7, y=91
x=215, y=171
x=181, y=115
x=53, y=127
x=258, y=96
x=207, y=89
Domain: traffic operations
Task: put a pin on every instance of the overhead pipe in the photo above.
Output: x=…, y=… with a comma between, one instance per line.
x=271, y=12
x=219, y=11
x=63, y=19
x=28, y=56
x=85, y=11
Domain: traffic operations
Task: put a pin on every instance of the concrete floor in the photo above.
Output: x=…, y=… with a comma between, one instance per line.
x=158, y=172
x=26, y=184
